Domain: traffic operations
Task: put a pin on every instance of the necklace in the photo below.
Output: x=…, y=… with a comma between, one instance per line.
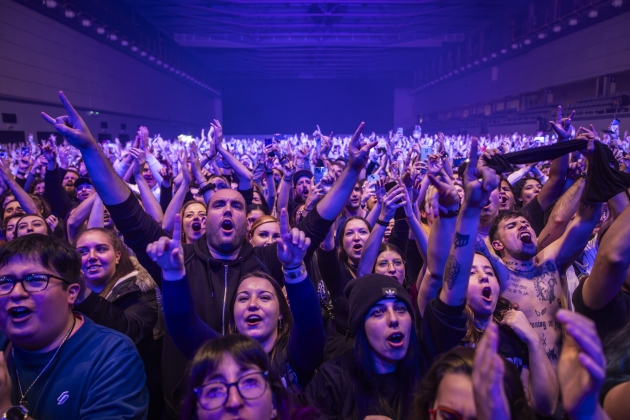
x=23, y=394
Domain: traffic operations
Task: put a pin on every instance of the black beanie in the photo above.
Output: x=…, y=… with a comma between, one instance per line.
x=364, y=292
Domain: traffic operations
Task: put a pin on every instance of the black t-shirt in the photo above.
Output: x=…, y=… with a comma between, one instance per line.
x=536, y=215
x=608, y=319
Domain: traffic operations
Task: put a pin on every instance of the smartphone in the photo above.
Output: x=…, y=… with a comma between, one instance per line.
x=539, y=139
x=279, y=137
x=372, y=178
x=269, y=142
x=3, y=154
x=26, y=151
x=424, y=153
x=614, y=126
x=399, y=132
x=400, y=211
x=320, y=172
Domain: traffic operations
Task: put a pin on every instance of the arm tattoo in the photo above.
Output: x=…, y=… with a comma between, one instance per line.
x=545, y=240
x=460, y=240
x=451, y=270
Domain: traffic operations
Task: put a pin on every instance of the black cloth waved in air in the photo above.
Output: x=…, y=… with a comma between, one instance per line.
x=603, y=181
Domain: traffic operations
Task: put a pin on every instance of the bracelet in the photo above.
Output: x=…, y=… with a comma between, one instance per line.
x=288, y=179
x=381, y=222
x=449, y=214
x=295, y=272
x=269, y=173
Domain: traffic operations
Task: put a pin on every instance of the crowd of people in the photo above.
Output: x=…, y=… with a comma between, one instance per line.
x=354, y=277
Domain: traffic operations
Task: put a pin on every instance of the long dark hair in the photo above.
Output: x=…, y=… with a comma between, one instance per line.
x=125, y=264
x=246, y=352
x=617, y=350
x=343, y=255
x=362, y=373
x=461, y=360
x=475, y=331
x=284, y=330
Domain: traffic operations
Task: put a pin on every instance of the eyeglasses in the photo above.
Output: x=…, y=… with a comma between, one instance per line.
x=397, y=263
x=35, y=282
x=444, y=414
x=214, y=395
x=85, y=186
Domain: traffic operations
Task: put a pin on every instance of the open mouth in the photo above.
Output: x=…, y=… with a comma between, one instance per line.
x=19, y=312
x=486, y=294
x=148, y=178
x=253, y=320
x=357, y=247
x=93, y=268
x=487, y=206
x=396, y=339
x=196, y=226
x=227, y=226
x=503, y=200
x=525, y=237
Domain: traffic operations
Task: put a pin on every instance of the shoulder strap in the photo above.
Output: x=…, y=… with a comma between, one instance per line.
x=261, y=264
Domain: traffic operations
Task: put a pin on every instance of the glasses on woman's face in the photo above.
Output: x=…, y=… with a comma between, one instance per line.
x=444, y=413
x=397, y=263
x=213, y=395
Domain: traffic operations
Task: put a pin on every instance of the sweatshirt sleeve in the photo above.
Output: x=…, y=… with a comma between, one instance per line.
x=329, y=266
x=442, y=328
x=400, y=235
x=118, y=390
x=306, y=344
x=136, y=321
x=316, y=228
x=154, y=167
x=55, y=194
x=189, y=332
x=139, y=230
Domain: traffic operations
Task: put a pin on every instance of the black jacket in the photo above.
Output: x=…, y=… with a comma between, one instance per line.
x=212, y=282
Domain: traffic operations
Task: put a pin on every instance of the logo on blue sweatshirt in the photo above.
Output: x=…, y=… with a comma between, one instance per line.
x=63, y=397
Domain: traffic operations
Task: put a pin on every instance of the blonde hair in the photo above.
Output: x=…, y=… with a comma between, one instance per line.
x=259, y=222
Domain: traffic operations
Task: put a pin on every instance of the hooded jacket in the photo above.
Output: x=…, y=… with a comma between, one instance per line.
x=212, y=281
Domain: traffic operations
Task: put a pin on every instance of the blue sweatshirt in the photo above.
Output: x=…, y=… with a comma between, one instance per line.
x=97, y=375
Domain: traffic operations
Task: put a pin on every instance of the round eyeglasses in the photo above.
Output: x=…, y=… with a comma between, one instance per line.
x=213, y=395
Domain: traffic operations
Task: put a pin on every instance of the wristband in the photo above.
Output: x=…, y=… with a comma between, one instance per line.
x=289, y=180
x=381, y=222
x=269, y=173
x=295, y=272
x=449, y=214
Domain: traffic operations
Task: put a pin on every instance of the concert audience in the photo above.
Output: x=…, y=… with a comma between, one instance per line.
x=365, y=277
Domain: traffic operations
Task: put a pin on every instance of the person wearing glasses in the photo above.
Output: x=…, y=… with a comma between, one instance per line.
x=229, y=377
x=293, y=338
x=56, y=363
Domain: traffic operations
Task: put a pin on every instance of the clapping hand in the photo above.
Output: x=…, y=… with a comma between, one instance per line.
x=71, y=126
x=490, y=398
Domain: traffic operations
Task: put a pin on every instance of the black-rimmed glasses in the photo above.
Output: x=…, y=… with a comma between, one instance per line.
x=35, y=282
x=214, y=395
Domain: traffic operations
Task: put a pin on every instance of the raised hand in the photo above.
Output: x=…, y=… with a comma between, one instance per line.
x=359, y=151
x=52, y=221
x=314, y=195
x=478, y=191
x=217, y=133
x=327, y=183
x=292, y=244
x=446, y=196
x=48, y=150
x=169, y=254
x=562, y=126
x=390, y=202
x=167, y=175
x=71, y=126
x=490, y=399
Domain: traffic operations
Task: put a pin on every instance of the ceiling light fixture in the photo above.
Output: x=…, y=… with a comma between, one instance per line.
x=527, y=41
x=86, y=23
x=557, y=28
x=69, y=13
x=593, y=13
x=100, y=31
x=573, y=22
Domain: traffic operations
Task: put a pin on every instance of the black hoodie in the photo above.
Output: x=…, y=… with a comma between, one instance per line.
x=212, y=282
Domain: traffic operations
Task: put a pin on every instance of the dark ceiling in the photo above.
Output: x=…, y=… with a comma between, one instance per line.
x=320, y=38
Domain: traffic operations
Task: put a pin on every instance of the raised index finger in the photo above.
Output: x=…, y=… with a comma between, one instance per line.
x=284, y=222
x=473, y=153
x=559, y=117
x=177, y=230
x=357, y=133
x=69, y=108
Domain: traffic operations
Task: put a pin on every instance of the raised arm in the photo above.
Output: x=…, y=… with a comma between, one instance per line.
x=306, y=343
x=151, y=205
x=79, y=216
x=109, y=186
x=245, y=177
x=97, y=215
x=175, y=206
x=333, y=203
x=611, y=264
x=462, y=251
x=561, y=215
x=25, y=200
x=558, y=171
x=394, y=199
